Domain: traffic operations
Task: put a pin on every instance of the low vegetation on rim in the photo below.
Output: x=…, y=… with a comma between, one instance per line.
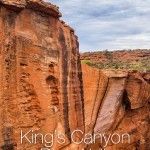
x=126, y=59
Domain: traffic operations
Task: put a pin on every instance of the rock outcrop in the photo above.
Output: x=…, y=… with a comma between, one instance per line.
x=45, y=94
x=40, y=74
x=117, y=102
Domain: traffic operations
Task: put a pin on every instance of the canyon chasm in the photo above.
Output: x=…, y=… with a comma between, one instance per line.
x=45, y=88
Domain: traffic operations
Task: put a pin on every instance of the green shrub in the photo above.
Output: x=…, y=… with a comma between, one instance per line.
x=143, y=65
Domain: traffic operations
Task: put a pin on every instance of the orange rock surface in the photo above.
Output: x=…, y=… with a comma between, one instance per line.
x=44, y=88
x=40, y=75
x=117, y=102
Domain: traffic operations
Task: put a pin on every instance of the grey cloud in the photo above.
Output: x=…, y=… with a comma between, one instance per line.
x=108, y=24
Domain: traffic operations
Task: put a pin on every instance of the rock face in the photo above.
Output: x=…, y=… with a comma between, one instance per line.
x=117, y=103
x=43, y=96
x=40, y=74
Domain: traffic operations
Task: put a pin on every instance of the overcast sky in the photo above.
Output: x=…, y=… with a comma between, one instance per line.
x=108, y=24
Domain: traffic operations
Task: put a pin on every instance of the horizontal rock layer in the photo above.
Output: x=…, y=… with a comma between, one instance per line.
x=37, y=5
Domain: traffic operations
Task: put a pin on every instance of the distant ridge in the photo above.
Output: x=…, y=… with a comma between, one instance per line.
x=137, y=59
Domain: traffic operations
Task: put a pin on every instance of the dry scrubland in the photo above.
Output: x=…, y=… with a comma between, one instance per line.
x=123, y=59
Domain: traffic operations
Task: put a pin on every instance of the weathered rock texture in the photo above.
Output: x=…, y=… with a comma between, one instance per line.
x=41, y=85
x=40, y=76
x=117, y=102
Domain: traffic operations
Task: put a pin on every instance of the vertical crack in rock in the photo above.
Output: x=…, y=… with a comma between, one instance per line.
x=8, y=78
x=126, y=101
x=65, y=82
x=80, y=76
x=95, y=87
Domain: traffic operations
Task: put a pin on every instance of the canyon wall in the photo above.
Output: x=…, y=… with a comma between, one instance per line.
x=44, y=89
x=40, y=74
x=117, y=103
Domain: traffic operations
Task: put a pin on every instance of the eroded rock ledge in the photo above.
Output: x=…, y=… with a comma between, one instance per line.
x=117, y=102
x=37, y=5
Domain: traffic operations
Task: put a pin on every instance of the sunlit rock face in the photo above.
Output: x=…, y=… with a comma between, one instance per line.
x=44, y=90
x=40, y=75
x=116, y=104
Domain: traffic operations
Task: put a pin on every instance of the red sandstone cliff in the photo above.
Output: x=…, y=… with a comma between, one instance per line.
x=117, y=102
x=40, y=75
x=41, y=85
